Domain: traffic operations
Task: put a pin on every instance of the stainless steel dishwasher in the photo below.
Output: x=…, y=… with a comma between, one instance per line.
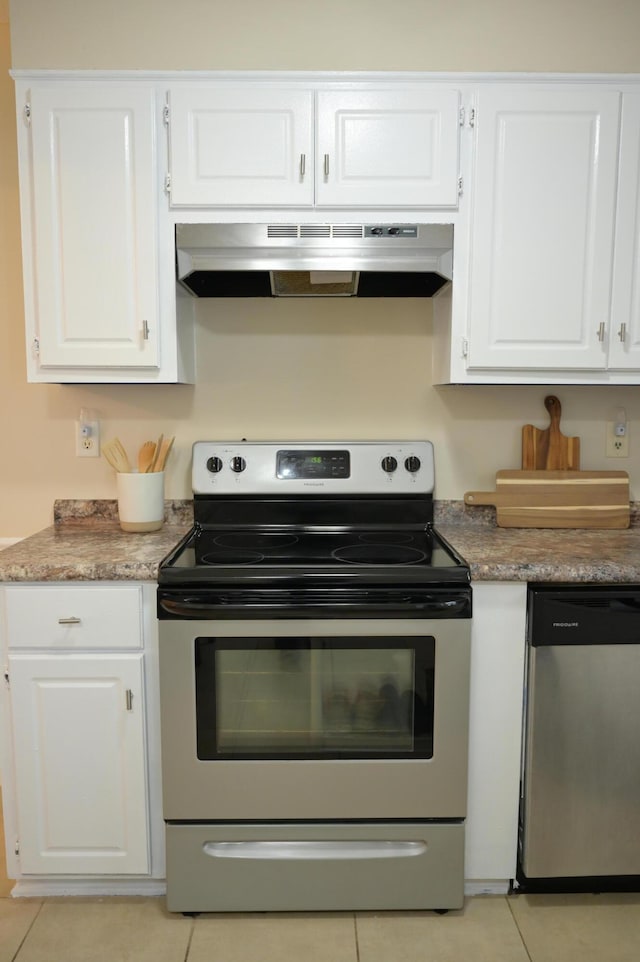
x=580, y=797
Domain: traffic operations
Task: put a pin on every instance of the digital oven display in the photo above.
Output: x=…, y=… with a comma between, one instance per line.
x=310, y=465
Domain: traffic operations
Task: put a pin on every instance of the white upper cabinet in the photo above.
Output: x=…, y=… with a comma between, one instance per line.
x=94, y=223
x=241, y=146
x=91, y=244
x=624, y=346
x=249, y=146
x=542, y=232
x=381, y=148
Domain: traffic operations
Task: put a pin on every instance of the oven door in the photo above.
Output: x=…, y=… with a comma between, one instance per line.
x=314, y=719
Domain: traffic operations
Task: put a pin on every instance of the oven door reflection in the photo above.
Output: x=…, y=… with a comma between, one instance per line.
x=314, y=697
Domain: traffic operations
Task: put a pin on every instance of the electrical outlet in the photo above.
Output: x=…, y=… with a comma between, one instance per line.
x=616, y=444
x=88, y=439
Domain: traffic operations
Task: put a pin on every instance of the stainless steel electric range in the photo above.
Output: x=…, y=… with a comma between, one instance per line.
x=314, y=671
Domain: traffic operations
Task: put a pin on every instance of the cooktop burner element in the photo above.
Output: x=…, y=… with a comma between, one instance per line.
x=307, y=516
x=379, y=554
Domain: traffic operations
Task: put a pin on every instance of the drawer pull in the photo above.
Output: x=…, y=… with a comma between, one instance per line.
x=69, y=621
x=287, y=850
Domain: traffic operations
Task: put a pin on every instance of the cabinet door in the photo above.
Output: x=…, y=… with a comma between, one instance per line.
x=542, y=231
x=388, y=148
x=94, y=225
x=624, y=347
x=233, y=147
x=80, y=763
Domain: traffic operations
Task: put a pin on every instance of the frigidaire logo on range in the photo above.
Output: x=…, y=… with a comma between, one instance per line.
x=565, y=624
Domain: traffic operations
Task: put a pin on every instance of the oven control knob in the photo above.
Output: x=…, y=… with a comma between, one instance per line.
x=238, y=464
x=214, y=465
x=389, y=464
x=412, y=464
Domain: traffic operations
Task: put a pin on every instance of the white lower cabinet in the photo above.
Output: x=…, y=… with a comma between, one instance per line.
x=495, y=733
x=80, y=745
x=80, y=763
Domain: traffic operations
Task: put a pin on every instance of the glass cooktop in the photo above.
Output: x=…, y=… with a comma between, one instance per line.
x=207, y=552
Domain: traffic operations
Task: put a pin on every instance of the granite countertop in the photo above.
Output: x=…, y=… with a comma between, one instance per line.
x=607, y=556
x=85, y=543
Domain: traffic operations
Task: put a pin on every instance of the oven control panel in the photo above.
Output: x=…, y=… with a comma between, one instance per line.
x=327, y=467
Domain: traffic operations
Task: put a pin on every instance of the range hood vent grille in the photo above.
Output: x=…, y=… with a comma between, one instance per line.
x=315, y=230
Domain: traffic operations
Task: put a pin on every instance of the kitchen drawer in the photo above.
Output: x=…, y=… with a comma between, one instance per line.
x=65, y=617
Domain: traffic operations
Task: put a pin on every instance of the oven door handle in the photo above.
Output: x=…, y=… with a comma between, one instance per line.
x=185, y=608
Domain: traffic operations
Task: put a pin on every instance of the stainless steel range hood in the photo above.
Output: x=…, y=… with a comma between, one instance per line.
x=314, y=260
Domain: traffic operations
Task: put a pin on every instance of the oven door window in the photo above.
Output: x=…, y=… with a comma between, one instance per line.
x=314, y=697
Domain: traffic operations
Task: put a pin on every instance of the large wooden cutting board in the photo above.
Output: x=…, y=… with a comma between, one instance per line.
x=549, y=448
x=558, y=499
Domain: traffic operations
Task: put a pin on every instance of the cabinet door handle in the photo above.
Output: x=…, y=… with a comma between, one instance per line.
x=622, y=333
x=69, y=621
x=303, y=164
x=601, y=330
x=128, y=698
x=326, y=165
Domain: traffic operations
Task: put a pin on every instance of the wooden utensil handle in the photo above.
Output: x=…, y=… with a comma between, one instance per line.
x=480, y=497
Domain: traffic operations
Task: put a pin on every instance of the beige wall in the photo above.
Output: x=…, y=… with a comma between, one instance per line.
x=558, y=35
x=289, y=369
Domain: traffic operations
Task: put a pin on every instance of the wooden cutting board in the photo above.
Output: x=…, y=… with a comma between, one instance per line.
x=558, y=499
x=549, y=449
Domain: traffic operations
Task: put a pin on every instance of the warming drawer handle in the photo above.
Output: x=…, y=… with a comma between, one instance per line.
x=307, y=851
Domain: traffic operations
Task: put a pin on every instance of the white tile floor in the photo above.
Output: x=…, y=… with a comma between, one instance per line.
x=561, y=928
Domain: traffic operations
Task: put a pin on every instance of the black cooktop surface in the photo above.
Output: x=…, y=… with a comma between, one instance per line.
x=218, y=553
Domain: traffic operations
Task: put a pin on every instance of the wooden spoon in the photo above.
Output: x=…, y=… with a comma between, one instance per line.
x=156, y=454
x=165, y=448
x=145, y=456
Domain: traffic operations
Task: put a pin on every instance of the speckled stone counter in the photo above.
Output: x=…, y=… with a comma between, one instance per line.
x=540, y=554
x=85, y=543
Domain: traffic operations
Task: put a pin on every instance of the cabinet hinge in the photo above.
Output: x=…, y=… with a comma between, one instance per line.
x=166, y=114
x=465, y=347
x=472, y=117
x=460, y=186
x=461, y=116
x=16, y=847
x=167, y=183
x=35, y=347
x=6, y=676
x=27, y=114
